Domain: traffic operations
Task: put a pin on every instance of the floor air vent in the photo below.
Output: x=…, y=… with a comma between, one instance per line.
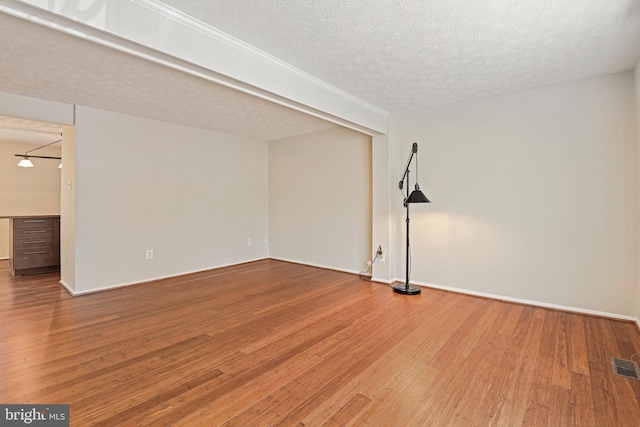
x=625, y=368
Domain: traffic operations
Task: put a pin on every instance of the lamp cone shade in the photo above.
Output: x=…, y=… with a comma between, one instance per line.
x=25, y=163
x=417, y=196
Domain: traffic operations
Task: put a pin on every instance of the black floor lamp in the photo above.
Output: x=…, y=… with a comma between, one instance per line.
x=416, y=196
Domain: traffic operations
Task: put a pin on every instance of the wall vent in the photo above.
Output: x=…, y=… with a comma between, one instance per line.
x=625, y=368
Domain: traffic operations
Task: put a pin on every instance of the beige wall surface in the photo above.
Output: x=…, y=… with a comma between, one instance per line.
x=534, y=195
x=4, y=238
x=192, y=196
x=320, y=199
x=27, y=191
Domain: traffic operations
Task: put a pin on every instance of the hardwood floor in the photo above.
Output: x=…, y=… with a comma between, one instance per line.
x=274, y=343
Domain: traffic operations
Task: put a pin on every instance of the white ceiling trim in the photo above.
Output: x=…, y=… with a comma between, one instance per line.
x=240, y=45
x=173, y=39
x=412, y=55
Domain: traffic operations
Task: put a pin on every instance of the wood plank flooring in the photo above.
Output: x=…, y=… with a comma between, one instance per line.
x=274, y=343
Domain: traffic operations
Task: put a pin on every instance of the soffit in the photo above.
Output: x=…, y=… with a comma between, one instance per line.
x=48, y=64
x=404, y=55
x=28, y=131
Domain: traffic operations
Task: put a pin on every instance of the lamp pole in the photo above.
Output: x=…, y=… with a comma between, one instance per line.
x=407, y=252
x=416, y=196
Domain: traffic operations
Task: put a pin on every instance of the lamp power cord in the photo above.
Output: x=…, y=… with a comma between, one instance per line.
x=366, y=275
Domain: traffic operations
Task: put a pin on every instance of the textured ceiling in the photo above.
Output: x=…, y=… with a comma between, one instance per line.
x=403, y=55
x=28, y=131
x=43, y=63
x=400, y=55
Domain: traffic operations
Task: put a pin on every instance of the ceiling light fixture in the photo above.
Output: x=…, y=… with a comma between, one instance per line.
x=26, y=163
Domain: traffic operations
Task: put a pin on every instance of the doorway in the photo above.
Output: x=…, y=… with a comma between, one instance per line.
x=34, y=190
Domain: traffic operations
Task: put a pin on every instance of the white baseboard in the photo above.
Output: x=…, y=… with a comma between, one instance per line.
x=310, y=264
x=152, y=279
x=2, y=258
x=67, y=287
x=385, y=281
x=325, y=267
x=526, y=301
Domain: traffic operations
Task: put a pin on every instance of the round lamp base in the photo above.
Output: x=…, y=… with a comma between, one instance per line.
x=406, y=290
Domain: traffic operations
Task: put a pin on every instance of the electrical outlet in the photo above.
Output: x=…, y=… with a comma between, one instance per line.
x=149, y=253
x=249, y=241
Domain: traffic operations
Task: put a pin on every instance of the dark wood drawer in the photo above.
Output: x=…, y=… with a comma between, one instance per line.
x=32, y=258
x=32, y=234
x=35, y=242
x=34, y=245
x=32, y=223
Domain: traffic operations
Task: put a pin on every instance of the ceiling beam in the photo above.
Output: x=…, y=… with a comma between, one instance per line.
x=156, y=32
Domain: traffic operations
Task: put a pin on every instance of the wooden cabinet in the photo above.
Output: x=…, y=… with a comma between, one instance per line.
x=34, y=245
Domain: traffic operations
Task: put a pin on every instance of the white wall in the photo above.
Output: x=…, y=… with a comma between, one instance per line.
x=320, y=199
x=637, y=109
x=192, y=195
x=68, y=209
x=534, y=195
x=381, y=208
x=26, y=191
